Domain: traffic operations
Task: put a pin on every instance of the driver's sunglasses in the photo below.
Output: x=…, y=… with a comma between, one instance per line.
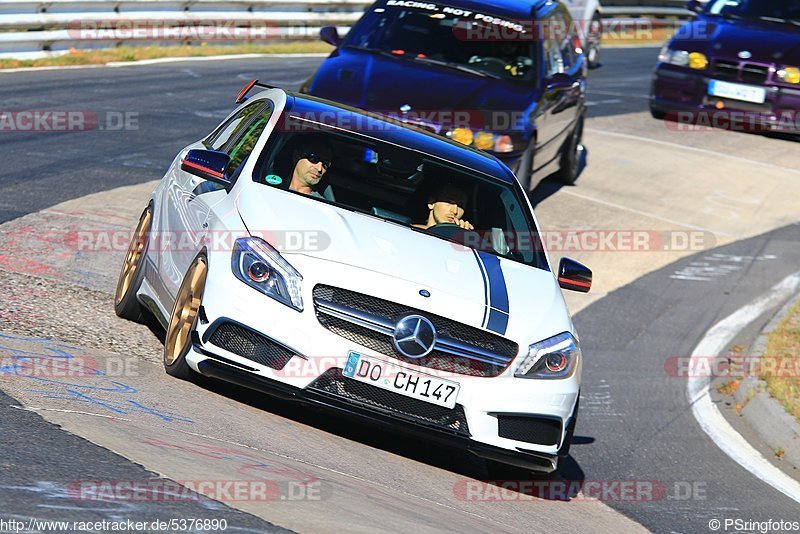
x=315, y=158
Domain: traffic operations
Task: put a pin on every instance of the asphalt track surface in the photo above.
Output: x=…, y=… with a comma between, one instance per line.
x=635, y=421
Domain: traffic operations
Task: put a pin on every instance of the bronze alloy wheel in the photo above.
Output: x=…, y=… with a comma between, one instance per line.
x=184, y=317
x=130, y=277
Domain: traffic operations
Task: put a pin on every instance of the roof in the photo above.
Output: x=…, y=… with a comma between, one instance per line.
x=387, y=130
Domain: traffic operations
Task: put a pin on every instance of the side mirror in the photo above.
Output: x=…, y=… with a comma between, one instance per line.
x=330, y=35
x=574, y=276
x=694, y=6
x=209, y=165
x=559, y=81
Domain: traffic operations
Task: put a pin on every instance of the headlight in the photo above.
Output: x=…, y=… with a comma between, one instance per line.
x=483, y=140
x=698, y=61
x=682, y=58
x=461, y=135
x=556, y=357
x=789, y=74
x=261, y=267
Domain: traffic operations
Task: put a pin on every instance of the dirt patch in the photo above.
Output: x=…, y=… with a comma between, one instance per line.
x=39, y=307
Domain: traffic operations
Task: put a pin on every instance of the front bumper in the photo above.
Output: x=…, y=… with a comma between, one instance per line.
x=486, y=402
x=524, y=458
x=683, y=96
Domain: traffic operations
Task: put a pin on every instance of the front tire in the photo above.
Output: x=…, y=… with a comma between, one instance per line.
x=570, y=156
x=525, y=170
x=183, y=320
x=658, y=114
x=126, y=305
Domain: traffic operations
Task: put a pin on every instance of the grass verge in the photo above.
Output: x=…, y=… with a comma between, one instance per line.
x=783, y=349
x=136, y=53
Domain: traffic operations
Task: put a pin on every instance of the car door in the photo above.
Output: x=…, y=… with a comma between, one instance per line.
x=189, y=198
x=562, y=86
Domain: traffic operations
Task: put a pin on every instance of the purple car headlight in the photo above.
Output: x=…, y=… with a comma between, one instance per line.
x=789, y=75
x=683, y=58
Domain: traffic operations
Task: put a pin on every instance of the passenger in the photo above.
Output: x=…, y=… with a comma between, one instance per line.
x=446, y=206
x=310, y=163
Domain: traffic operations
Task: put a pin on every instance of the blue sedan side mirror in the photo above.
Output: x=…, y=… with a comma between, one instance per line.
x=330, y=35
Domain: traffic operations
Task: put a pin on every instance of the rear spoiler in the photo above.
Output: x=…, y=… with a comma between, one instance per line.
x=246, y=89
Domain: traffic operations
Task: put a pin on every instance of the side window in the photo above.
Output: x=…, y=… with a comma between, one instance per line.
x=241, y=147
x=554, y=62
x=224, y=133
x=559, y=43
x=568, y=37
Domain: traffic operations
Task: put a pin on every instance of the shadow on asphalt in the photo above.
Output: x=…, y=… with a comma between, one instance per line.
x=544, y=190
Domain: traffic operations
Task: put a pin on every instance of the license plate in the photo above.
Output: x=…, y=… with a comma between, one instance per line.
x=737, y=91
x=401, y=380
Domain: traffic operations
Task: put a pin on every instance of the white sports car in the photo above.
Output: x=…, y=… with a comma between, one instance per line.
x=319, y=253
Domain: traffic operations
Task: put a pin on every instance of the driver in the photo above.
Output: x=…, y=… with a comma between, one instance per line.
x=446, y=206
x=310, y=163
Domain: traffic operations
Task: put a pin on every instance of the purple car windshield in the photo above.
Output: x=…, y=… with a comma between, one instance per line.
x=775, y=10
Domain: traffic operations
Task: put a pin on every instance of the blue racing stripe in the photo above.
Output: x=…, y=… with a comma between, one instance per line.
x=498, y=293
x=498, y=321
x=485, y=289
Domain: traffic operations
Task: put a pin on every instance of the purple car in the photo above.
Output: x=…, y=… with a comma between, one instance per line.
x=736, y=66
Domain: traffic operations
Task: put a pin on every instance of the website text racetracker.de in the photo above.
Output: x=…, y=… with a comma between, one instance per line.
x=733, y=120
x=104, y=525
x=318, y=240
x=379, y=120
x=65, y=120
x=162, y=490
x=591, y=240
x=636, y=491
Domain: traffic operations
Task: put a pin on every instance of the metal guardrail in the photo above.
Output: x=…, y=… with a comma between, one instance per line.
x=35, y=26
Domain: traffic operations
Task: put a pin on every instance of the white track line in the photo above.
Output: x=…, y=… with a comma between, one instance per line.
x=706, y=413
x=644, y=213
x=691, y=148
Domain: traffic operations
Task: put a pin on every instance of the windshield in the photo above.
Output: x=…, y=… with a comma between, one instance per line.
x=403, y=187
x=780, y=10
x=476, y=43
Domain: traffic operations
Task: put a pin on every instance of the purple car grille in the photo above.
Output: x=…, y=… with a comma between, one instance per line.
x=740, y=72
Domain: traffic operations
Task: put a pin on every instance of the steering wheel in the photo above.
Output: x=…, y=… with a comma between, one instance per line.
x=446, y=230
x=497, y=62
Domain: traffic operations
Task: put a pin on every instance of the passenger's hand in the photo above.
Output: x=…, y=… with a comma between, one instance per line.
x=466, y=225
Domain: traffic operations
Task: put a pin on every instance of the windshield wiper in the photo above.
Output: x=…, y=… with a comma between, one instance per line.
x=780, y=20
x=376, y=51
x=458, y=66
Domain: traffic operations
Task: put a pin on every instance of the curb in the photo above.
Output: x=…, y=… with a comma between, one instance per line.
x=763, y=413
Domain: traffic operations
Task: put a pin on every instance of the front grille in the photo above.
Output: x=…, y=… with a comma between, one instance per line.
x=756, y=74
x=251, y=345
x=392, y=312
x=334, y=384
x=740, y=72
x=529, y=429
x=727, y=70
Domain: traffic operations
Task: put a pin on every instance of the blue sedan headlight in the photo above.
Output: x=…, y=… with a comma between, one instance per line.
x=556, y=357
x=256, y=263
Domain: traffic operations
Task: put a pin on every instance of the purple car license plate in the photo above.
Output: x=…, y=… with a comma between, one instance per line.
x=737, y=91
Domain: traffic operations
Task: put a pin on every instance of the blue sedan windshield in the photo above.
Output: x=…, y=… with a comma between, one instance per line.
x=788, y=10
x=482, y=45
